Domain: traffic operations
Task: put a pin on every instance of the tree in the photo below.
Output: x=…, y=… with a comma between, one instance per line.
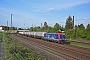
x=14, y=28
x=81, y=31
x=81, y=26
x=69, y=23
x=45, y=24
x=69, y=34
x=5, y=28
x=76, y=31
x=45, y=27
x=57, y=27
x=50, y=29
x=88, y=31
x=20, y=29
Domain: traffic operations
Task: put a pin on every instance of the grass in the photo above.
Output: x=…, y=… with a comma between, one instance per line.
x=15, y=50
x=82, y=46
x=1, y=36
x=77, y=40
x=79, y=45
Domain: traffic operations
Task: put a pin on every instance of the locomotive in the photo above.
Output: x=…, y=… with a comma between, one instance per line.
x=56, y=37
x=59, y=37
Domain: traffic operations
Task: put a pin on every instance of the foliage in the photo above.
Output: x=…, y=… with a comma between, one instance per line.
x=81, y=31
x=69, y=34
x=69, y=23
x=7, y=28
x=14, y=50
x=88, y=31
x=47, y=28
x=45, y=24
x=81, y=26
x=82, y=46
x=57, y=27
x=20, y=29
x=51, y=29
x=1, y=36
x=78, y=32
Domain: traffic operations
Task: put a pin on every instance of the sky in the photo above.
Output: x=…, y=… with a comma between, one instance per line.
x=28, y=13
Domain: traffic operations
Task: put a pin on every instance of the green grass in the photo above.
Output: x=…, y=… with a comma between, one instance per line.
x=77, y=40
x=15, y=50
x=82, y=46
x=1, y=36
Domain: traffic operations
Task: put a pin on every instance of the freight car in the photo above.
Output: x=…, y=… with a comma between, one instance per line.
x=40, y=35
x=21, y=33
x=26, y=33
x=32, y=34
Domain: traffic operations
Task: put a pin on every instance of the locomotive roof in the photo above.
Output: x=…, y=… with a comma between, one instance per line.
x=55, y=33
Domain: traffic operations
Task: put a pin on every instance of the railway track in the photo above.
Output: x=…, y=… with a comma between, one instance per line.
x=56, y=55
x=68, y=50
x=65, y=47
x=58, y=50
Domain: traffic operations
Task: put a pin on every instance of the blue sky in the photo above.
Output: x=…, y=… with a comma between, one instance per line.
x=28, y=12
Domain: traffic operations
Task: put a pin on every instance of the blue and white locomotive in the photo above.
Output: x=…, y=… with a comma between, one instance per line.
x=57, y=37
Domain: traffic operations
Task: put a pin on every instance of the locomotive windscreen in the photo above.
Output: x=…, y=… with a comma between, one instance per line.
x=62, y=36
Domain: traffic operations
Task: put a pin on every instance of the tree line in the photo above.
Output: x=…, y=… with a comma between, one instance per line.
x=79, y=31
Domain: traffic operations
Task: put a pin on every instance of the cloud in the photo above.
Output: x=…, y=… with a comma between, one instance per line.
x=45, y=10
x=86, y=18
x=37, y=10
x=59, y=5
x=49, y=9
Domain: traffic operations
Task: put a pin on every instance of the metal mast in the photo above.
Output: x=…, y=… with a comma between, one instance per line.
x=7, y=25
x=11, y=21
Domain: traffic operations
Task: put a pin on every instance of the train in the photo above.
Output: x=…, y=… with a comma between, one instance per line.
x=58, y=37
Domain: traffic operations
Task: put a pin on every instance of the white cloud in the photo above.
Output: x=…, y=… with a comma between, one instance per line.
x=49, y=9
x=37, y=10
x=86, y=18
x=45, y=10
x=82, y=19
x=59, y=5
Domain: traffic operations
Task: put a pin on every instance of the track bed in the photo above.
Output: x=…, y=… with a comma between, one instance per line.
x=54, y=51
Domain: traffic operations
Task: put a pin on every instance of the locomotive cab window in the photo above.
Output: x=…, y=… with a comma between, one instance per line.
x=62, y=36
